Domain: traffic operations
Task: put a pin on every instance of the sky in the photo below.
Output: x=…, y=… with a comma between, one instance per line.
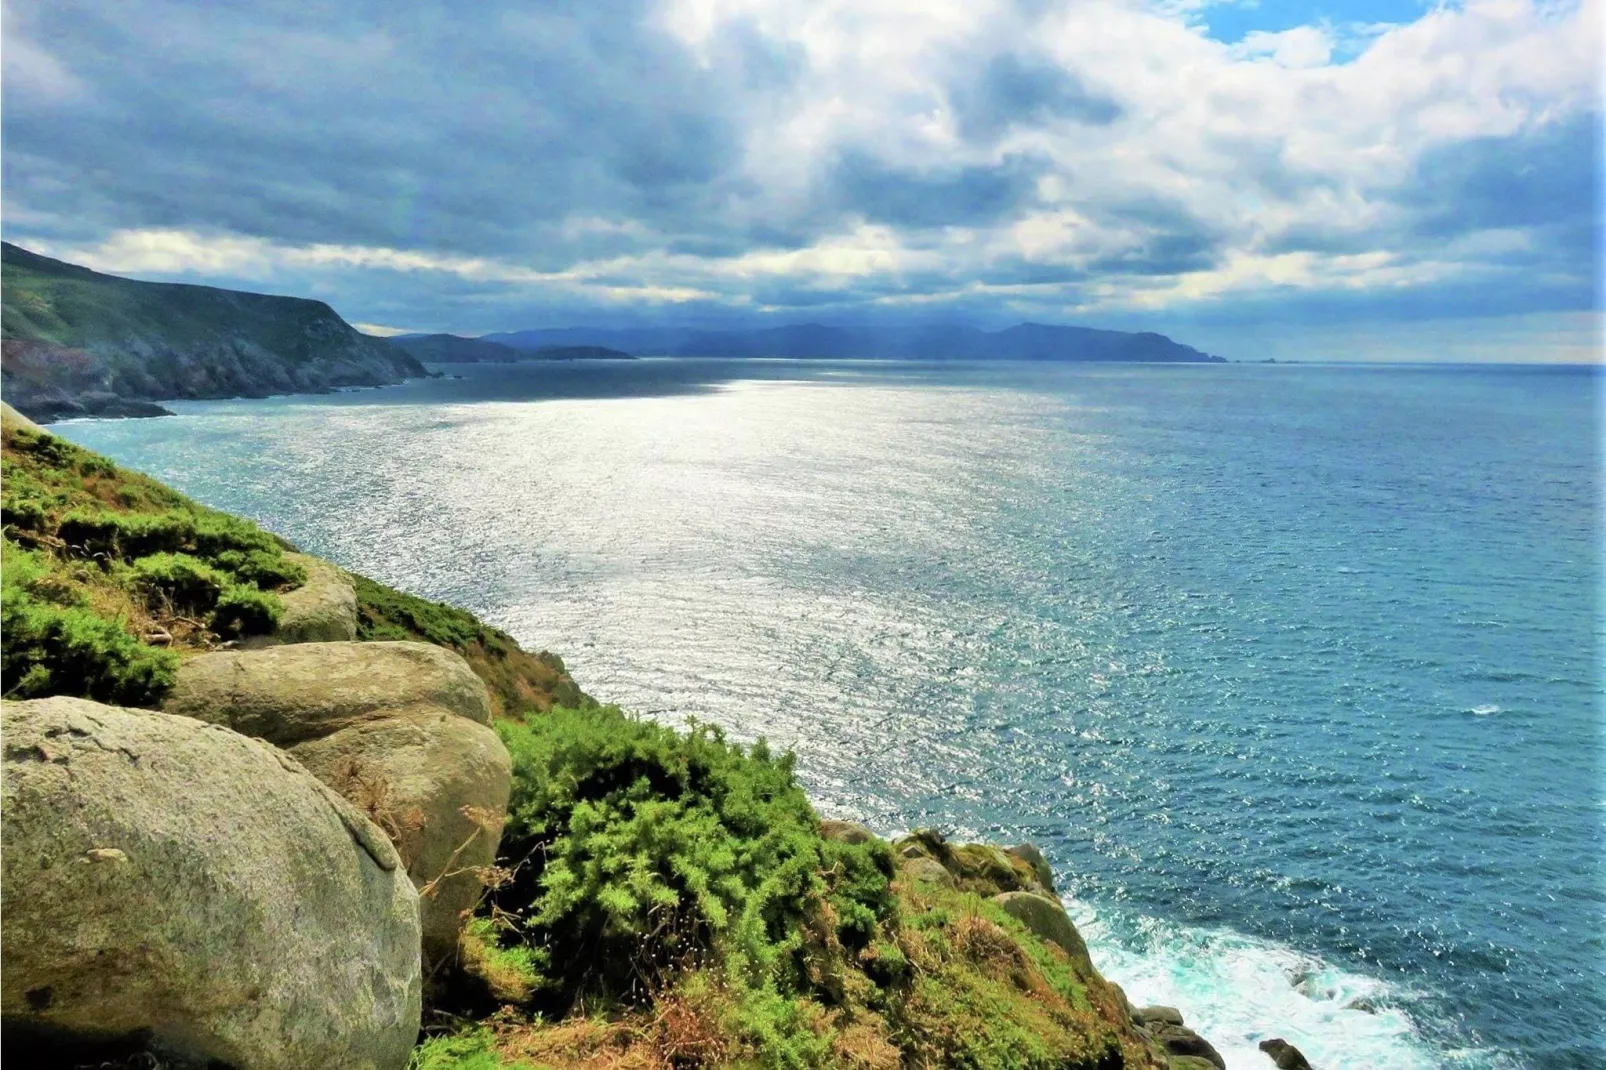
x=1311, y=179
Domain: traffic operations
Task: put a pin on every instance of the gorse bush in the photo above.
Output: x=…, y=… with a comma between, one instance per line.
x=637, y=851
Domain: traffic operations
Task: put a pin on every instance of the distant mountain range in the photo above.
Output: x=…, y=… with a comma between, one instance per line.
x=77, y=342
x=1027, y=341
x=455, y=349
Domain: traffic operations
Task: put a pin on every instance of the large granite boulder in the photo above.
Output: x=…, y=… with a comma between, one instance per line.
x=400, y=729
x=172, y=884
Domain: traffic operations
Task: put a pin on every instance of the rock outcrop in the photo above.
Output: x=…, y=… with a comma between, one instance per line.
x=400, y=729
x=322, y=610
x=1165, y=1025
x=172, y=885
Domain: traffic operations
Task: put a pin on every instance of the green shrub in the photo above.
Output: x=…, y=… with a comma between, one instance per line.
x=267, y=569
x=67, y=650
x=245, y=610
x=392, y=615
x=186, y=584
x=638, y=850
x=101, y=533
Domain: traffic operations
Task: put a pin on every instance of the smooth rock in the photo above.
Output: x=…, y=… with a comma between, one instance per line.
x=1046, y=919
x=286, y=694
x=179, y=882
x=322, y=610
x=400, y=729
x=1158, y=1015
x=1284, y=1054
x=926, y=870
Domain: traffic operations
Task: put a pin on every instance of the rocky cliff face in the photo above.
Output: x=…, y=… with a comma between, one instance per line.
x=78, y=342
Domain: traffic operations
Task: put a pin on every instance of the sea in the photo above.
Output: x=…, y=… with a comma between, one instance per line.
x=1294, y=672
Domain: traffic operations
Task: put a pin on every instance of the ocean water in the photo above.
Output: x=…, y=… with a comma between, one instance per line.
x=1293, y=672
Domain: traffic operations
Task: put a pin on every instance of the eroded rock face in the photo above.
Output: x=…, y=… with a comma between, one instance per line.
x=172, y=879
x=400, y=729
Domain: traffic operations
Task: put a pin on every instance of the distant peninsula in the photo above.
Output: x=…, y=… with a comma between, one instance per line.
x=813, y=341
x=81, y=343
x=457, y=349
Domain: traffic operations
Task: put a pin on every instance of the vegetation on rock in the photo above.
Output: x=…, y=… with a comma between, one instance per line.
x=519, y=681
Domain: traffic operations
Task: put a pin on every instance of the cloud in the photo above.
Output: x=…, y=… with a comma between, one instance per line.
x=505, y=165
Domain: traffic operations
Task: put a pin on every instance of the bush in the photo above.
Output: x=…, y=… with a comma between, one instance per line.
x=637, y=851
x=181, y=581
x=100, y=533
x=51, y=650
x=266, y=569
x=245, y=610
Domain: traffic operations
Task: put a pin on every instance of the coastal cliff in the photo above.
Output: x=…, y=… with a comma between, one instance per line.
x=78, y=342
x=262, y=812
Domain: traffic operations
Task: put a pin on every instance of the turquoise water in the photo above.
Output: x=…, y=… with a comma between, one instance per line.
x=1294, y=672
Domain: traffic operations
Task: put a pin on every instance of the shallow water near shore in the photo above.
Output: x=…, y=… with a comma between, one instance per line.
x=1293, y=672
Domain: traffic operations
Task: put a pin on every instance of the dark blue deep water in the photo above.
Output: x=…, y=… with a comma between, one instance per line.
x=1293, y=672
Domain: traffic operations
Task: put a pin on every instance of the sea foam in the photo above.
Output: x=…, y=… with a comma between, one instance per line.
x=1237, y=990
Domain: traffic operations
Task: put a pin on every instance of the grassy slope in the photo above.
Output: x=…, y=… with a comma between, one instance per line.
x=48, y=482
x=52, y=301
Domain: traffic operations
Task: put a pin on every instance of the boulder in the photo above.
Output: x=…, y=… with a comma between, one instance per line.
x=1046, y=919
x=287, y=694
x=322, y=610
x=400, y=729
x=1029, y=853
x=1189, y=1062
x=1284, y=1054
x=925, y=870
x=1179, y=1040
x=173, y=885
x=1152, y=1016
x=846, y=832
x=438, y=784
